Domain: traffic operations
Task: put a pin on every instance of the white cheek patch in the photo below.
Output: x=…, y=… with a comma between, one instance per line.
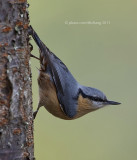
x=97, y=104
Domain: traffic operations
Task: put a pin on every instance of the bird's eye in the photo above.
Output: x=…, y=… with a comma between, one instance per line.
x=97, y=99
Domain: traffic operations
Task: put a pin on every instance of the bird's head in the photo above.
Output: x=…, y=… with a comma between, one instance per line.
x=97, y=98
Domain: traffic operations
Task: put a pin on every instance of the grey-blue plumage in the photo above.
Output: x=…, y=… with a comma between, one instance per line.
x=67, y=88
x=66, y=85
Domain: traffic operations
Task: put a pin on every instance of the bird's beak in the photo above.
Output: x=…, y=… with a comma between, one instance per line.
x=112, y=103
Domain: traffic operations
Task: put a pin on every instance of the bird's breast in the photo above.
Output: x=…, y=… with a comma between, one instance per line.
x=85, y=106
x=48, y=99
x=48, y=96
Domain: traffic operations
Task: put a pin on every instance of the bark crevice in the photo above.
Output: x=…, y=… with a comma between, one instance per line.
x=16, y=117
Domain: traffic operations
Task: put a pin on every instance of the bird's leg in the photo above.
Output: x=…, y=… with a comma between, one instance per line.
x=34, y=56
x=35, y=113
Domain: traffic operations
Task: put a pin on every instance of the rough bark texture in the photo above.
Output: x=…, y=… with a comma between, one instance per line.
x=16, y=120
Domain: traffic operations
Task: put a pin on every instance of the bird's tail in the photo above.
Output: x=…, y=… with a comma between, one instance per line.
x=36, y=38
x=44, y=51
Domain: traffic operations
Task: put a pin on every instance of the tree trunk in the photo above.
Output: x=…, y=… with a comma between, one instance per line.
x=16, y=120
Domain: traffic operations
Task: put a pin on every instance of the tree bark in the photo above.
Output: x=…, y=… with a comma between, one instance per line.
x=16, y=117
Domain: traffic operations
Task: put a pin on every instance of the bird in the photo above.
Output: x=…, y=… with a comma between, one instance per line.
x=59, y=91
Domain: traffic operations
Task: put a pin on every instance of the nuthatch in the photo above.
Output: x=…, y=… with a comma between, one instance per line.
x=59, y=92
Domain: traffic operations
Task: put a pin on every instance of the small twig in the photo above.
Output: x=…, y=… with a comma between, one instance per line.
x=34, y=56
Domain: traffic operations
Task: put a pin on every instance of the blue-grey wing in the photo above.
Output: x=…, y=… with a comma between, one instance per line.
x=58, y=70
x=66, y=85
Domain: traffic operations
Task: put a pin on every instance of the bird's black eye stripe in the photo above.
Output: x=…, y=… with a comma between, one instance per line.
x=97, y=99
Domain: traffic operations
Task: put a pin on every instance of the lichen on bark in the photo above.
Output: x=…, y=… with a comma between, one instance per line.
x=16, y=120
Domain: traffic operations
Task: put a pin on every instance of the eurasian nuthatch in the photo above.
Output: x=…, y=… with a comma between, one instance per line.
x=59, y=92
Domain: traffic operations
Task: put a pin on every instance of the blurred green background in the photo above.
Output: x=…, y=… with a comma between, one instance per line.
x=102, y=56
